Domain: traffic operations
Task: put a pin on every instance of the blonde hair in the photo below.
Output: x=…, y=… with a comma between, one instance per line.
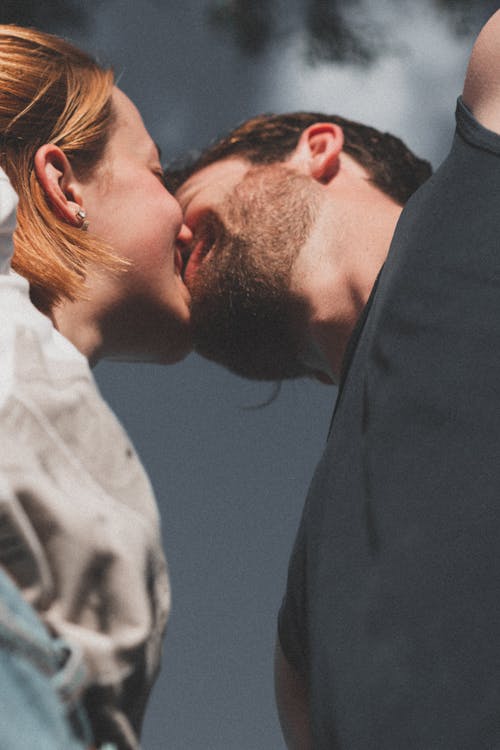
x=51, y=92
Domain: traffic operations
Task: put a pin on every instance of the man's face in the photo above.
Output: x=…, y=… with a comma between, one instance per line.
x=249, y=224
x=203, y=194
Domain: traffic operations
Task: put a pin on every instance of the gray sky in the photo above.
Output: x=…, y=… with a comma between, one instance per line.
x=231, y=481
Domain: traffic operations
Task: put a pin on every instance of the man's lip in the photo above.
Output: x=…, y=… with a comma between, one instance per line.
x=178, y=261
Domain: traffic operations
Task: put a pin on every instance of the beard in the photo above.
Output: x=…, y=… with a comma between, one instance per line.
x=244, y=315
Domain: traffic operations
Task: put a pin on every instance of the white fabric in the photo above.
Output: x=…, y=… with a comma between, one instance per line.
x=79, y=527
x=8, y=205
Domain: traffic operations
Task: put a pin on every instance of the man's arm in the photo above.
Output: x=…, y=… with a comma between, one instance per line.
x=292, y=703
x=482, y=82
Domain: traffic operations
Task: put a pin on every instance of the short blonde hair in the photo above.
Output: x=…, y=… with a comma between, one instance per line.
x=51, y=92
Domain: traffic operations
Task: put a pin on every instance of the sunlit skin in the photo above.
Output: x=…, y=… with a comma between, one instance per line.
x=143, y=312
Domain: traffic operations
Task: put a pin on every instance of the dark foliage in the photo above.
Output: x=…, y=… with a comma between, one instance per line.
x=252, y=23
x=331, y=37
x=333, y=28
x=49, y=15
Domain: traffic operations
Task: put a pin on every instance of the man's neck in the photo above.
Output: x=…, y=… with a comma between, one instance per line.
x=337, y=268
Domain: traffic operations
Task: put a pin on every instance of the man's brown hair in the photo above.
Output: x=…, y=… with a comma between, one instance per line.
x=267, y=139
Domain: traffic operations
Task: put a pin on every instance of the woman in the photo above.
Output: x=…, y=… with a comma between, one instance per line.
x=96, y=273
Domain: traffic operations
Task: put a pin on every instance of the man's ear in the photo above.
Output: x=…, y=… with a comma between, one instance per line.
x=58, y=182
x=318, y=150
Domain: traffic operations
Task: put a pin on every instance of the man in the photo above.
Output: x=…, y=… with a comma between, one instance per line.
x=389, y=630
x=273, y=195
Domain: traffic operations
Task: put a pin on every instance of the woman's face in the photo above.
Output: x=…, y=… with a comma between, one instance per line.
x=144, y=311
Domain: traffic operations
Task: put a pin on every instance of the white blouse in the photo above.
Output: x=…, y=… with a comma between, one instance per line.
x=79, y=526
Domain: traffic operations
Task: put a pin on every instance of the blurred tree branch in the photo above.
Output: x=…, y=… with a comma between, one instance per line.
x=466, y=14
x=333, y=29
x=252, y=23
x=332, y=38
x=48, y=15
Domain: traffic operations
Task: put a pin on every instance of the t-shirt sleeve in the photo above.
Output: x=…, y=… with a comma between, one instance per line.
x=473, y=132
x=293, y=611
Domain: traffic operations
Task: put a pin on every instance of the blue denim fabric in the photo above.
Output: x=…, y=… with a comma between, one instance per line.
x=40, y=682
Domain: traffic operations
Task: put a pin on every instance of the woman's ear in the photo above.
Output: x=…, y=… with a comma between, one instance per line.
x=318, y=150
x=58, y=182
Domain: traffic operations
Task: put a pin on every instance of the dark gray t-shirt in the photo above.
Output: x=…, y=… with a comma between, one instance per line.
x=392, y=609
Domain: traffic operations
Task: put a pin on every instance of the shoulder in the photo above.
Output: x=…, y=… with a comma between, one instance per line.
x=8, y=205
x=482, y=82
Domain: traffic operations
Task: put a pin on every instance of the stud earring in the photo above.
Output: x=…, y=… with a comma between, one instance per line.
x=81, y=215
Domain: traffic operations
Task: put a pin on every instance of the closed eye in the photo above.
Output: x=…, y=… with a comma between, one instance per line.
x=161, y=176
